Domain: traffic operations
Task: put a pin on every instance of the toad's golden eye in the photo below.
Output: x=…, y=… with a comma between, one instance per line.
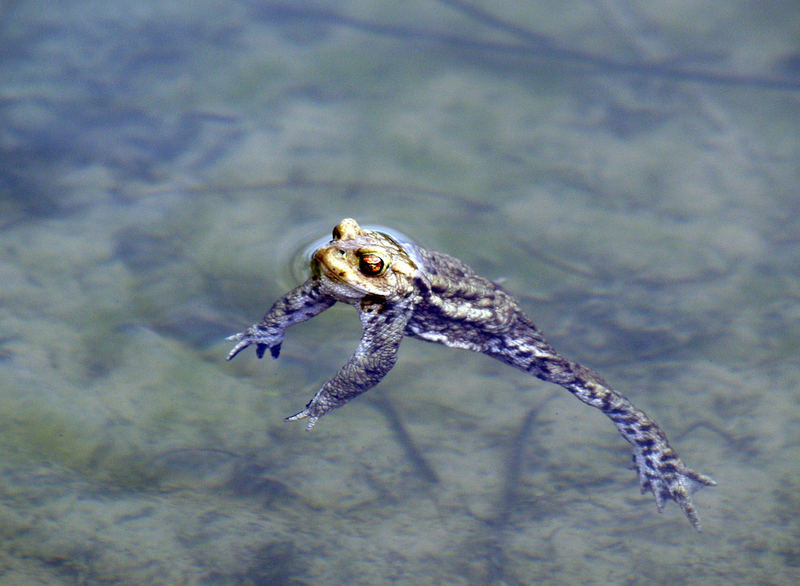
x=370, y=264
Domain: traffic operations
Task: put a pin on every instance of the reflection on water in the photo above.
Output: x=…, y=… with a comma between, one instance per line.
x=630, y=174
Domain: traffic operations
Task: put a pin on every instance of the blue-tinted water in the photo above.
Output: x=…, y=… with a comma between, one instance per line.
x=629, y=172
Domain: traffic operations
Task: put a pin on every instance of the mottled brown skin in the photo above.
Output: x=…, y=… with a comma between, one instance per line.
x=405, y=290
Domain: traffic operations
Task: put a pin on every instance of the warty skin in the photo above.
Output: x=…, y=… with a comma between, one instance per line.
x=405, y=290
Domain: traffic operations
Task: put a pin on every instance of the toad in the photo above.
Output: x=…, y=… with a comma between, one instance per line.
x=405, y=290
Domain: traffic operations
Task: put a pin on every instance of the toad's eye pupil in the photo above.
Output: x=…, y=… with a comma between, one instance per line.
x=371, y=264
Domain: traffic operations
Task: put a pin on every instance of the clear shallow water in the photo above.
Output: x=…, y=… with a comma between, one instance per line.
x=163, y=164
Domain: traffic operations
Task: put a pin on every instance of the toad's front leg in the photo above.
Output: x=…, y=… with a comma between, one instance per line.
x=298, y=305
x=383, y=327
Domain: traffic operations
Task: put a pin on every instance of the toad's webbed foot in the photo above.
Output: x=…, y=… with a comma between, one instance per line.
x=668, y=478
x=330, y=396
x=304, y=414
x=262, y=337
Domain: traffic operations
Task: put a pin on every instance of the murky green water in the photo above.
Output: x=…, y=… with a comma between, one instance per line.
x=162, y=164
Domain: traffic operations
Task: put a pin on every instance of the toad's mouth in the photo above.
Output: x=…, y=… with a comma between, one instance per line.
x=331, y=264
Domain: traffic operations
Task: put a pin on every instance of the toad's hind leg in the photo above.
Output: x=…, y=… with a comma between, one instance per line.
x=660, y=469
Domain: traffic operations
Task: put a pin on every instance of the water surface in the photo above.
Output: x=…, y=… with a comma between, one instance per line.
x=631, y=174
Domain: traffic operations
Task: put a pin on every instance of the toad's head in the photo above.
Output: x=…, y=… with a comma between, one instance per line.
x=358, y=262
